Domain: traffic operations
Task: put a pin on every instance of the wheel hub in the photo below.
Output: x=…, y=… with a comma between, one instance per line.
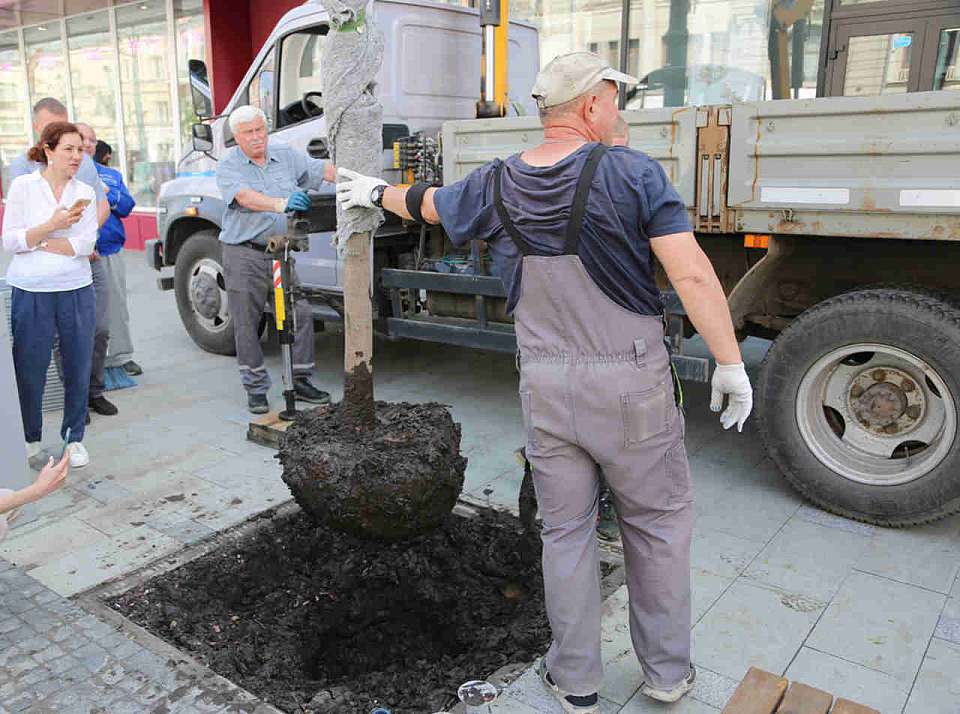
x=205, y=294
x=886, y=402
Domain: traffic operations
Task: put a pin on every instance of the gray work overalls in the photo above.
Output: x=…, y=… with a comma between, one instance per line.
x=596, y=390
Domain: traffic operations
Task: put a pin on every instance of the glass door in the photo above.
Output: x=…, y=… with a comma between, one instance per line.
x=941, y=62
x=871, y=58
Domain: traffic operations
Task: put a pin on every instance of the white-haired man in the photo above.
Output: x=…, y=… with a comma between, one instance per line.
x=579, y=221
x=260, y=180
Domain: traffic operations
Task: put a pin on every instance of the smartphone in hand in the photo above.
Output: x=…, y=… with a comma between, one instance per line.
x=66, y=443
x=80, y=204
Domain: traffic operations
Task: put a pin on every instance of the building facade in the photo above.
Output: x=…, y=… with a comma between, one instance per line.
x=122, y=66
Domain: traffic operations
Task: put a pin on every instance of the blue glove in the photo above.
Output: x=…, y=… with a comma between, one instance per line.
x=298, y=201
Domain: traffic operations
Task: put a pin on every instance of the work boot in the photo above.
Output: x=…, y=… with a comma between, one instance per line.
x=571, y=703
x=306, y=392
x=608, y=527
x=257, y=403
x=673, y=694
x=132, y=368
x=102, y=405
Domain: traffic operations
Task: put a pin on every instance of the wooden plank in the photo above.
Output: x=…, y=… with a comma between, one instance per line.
x=268, y=429
x=802, y=699
x=845, y=706
x=759, y=693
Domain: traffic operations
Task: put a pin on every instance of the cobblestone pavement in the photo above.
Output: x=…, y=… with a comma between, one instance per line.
x=56, y=657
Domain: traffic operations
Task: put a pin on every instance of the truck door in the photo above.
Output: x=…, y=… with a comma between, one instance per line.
x=876, y=52
x=287, y=88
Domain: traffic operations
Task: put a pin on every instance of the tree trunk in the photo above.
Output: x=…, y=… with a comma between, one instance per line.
x=358, y=407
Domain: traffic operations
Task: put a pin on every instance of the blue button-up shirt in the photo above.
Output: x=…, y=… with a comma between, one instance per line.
x=287, y=170
x=87, y=173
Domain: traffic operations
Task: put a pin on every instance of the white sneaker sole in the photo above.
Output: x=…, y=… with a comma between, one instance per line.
x=669, y=695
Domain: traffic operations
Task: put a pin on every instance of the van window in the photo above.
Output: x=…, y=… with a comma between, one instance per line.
x=300, y=81
x=260, y=92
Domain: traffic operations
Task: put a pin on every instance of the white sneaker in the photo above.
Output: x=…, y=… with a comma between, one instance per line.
x=571, y=703
x=673, y=694
x=33, y=449
x=78, y=455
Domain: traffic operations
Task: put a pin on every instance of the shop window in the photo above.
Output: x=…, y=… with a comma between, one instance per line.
x=191, y=44
x=13, y=109
x=145, y=91
x=93, y=74
x=301, y=88
x=46, y=70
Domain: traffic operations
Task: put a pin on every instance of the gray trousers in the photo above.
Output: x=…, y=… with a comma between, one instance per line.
x=120, y=349
x=249, y=277
x=101, y=336
x=596, y=391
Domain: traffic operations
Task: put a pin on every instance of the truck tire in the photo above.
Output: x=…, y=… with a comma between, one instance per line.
x=857, y=402
x=202, y=295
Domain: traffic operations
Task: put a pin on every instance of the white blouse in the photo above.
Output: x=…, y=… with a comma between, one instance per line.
x=30, y=202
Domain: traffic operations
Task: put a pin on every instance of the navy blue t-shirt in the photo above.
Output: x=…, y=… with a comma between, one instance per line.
x=630, y=202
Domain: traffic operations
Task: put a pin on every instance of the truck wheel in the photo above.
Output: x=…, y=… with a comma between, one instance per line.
x=202, y=294
x=857, y=402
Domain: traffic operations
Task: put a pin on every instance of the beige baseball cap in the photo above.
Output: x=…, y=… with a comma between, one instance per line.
x=568, y=76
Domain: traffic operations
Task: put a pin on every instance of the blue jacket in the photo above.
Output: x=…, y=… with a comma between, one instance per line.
x=112, y=236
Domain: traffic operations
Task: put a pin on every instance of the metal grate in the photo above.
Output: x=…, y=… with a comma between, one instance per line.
x=53, y=394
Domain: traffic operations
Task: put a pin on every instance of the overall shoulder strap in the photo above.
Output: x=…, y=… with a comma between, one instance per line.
x=522, y=245
x=580, y=199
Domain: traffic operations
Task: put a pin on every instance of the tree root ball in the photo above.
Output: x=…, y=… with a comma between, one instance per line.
x=398, y=480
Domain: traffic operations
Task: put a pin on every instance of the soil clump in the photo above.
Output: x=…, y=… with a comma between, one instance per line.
x=397, y=480
x=315, y=620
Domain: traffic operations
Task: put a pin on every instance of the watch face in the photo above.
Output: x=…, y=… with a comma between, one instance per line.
x=377, y=196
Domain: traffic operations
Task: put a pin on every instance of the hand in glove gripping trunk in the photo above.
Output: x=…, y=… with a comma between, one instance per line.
x=731, y=381
x=355, y=189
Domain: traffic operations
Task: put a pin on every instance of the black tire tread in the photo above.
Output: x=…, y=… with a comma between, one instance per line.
x=945, y=306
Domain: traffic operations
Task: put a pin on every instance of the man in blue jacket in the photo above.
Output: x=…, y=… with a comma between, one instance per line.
x=109, y=244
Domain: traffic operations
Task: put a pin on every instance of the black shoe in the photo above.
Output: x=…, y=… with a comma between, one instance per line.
x=86, y=418
x=257, y=403
x=132, y=368
x=101, y=405
x=306, y=392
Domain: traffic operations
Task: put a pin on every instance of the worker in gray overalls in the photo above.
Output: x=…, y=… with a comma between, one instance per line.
x=573, y=225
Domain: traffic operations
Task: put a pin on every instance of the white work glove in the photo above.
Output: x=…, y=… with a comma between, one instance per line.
x=355, y=189
x=731, y=380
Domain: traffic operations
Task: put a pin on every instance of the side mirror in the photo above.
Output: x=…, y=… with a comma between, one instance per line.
x=200, y=89
x=202, y=138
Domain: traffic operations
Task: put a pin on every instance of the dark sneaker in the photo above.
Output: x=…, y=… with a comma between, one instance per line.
x=86, y=418
x=102, y=405
x=670, y=694
x=306, y=392
x=132, y=368
x=608, y=527
x=257, y=403
x=571, y=703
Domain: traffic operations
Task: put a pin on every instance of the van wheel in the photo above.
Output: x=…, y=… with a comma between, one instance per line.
x=858, y=406
x=202, y=294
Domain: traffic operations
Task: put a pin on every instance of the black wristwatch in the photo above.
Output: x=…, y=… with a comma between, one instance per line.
x=376, y=195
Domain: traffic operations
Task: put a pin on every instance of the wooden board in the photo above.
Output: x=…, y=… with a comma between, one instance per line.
x=802, y=699
x=268, y=429
x=759, y=693
x=845, y=706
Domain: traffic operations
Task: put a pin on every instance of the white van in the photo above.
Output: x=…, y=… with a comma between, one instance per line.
x=430, y=74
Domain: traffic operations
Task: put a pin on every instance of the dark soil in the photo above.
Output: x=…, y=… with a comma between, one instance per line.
x=314, y=620
x=397, y=480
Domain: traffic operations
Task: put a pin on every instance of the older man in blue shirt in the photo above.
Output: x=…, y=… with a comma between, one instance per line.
x=260, y=180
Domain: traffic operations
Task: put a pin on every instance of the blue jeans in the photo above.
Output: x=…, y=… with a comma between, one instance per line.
x=36, y=319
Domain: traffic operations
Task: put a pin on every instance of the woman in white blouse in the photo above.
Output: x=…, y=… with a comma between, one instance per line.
x=50, y=223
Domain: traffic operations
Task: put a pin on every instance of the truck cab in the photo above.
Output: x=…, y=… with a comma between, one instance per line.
x=285, y=82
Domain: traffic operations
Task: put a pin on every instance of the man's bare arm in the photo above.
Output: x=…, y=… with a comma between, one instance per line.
x=256, y=201
x=693, y=277
x=395, y=201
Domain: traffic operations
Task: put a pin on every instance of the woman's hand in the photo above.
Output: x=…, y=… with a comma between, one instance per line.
x=51, y=477
x=63, y=218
